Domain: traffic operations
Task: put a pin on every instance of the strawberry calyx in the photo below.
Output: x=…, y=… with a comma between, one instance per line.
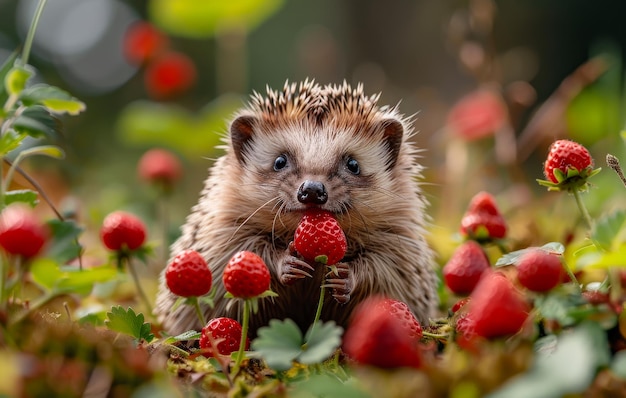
x=573, y=180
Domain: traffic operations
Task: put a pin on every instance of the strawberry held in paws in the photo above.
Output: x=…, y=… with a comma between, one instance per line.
x=319, y=238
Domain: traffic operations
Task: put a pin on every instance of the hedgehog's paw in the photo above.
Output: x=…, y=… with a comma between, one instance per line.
x=293, y=268
x=341, y=281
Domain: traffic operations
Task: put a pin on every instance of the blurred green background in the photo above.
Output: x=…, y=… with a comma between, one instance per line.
x=424, y=55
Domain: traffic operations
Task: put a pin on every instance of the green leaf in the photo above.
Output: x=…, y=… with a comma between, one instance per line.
x=46, y=150
x=188, y=335
x=93, y=318
x=568, y=369
x=27, y=196
x=48, y=275
x=618, y=366
x=193, y=134
x=52, y=98
x=321, y=342
x=4, y=70
x=64, y=245
x=10, y=140
x=324, y=385
x=129, y=323
x=201, y=19
x=609, y=231
x=514, y=256
x=279, y=344
x=15, y=80
x=37, y=122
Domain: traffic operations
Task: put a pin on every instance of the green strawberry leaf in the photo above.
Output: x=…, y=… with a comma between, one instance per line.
x=93, y=318
x=16, y=78
x=27, y=196
x=279, y=344
x=188, y=335
x=10, y=140
x=610, y=230
x=514, y=256
x=64, y=245
x=52, y=98
x=326, y=385
x=49, y=276
x=567, y=369
x=37, y=122
x=4, y=71
x=129, y=323
x=322, y=339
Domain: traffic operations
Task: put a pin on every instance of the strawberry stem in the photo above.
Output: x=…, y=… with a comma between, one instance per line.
x=133, y=274
x=320, y=303
x=244, y=335
x=582, y=208
x=196, y=306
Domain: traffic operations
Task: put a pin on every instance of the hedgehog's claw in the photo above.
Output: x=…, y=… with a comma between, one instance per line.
x=340, y=280
x=293, y=269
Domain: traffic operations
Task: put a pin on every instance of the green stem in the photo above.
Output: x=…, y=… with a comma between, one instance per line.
x=244, y=335
x=34, y=305
x=571, y=275
x=142, y=294
x=28, y=43
x=320, y=303
x=583, y=209
x=196, y=306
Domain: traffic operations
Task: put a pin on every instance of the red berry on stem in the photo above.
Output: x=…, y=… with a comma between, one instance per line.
x=496, y=307
x=246, y=275
x=142, y=42
x=564, y=155
x=170, y=75
x=319, y=236
x=21, y=232
x=465, y=267
x=188, y=275
x=225, y=332
x=400, y=310
x=539, y=270
x=483, y=213
x=377, y=337
x=122, y=231
x=159, y=165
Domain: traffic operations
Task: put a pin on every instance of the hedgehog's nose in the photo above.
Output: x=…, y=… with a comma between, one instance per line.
x=312, y=192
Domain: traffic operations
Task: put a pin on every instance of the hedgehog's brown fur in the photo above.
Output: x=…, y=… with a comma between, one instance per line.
x=247, y=205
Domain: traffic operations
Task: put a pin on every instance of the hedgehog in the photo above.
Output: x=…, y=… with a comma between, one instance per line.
x=308, y=145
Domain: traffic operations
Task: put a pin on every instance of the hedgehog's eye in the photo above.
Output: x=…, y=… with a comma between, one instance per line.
x=280, y=162
x=353, y=166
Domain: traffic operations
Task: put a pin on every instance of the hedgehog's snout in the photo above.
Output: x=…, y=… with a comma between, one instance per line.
x=312, y=193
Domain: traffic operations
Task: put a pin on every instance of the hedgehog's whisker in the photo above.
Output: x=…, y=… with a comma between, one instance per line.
x=275, y=198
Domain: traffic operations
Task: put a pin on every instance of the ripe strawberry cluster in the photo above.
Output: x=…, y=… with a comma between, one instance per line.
x=168, y=73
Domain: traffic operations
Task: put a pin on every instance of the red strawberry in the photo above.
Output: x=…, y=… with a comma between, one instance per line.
x=143, y=42
x=169, y=75
x=483, y=214
x=459, y=304
x=227, y=331
x=188, y=275
x=159, y=165
x=122, y=231
x=496, y=307
x=376, y=337
x=402, y=312
x=564, y=155
x=464, y=268
x=319, y=237
x=21, y=232
x=539, y=270
x=246, y=275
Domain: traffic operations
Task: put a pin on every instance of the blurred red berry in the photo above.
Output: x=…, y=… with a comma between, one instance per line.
x=21, y=232
x=400, y=310
x=464, y=268
x=159, y=166
x=497, y=308
x=477, y=115
x=539, y=270
x=246, y=275
x=122, y=231
x=142, y=42
x=188, y=275
x=483, y=216
x=376, y=337
x=169, y=75
x=225, y=332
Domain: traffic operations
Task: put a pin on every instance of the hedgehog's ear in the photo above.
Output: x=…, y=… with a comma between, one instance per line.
x=241, y=130
x=392, y=135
